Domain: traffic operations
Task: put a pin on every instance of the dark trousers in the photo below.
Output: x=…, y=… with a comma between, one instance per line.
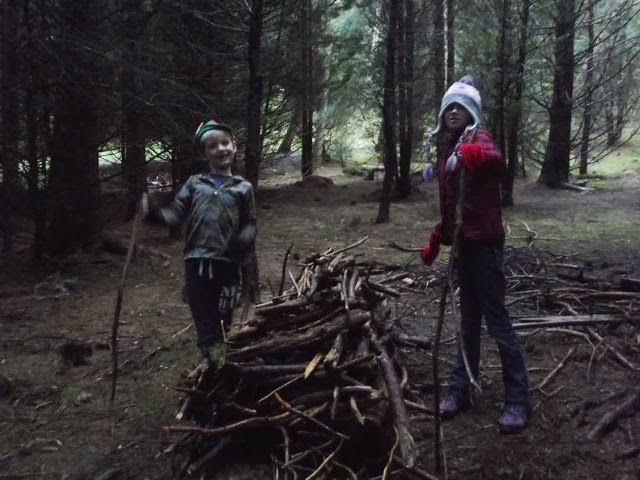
x=211, y=292
x=482, y=292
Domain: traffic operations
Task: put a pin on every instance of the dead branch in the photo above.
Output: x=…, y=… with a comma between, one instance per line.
x=566, y=321
x=400, y=416
x=116, y=314
x=284, y=269
x=301, y=414
x=248, y=423
x=629, y=406
x=555, y=371
x=616, y=354
x=404, y=249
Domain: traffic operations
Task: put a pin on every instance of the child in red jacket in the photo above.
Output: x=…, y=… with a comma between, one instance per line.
x=460, y=143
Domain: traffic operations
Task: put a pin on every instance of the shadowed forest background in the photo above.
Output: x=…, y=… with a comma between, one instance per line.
x=331, y=101
x=127, y=82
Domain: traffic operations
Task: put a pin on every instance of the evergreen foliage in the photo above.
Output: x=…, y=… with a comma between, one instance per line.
x=78, y=77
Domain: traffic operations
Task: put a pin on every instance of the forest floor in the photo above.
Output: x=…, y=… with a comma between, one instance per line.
x=56, y=421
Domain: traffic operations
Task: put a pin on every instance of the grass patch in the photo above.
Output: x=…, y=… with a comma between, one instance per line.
x=615, y=169
x=360, y=162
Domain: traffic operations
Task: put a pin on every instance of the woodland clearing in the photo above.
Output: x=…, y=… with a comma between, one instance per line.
x=56, y=420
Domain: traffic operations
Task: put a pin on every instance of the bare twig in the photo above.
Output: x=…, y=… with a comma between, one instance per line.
x=555, y=371
x=116, y=314
x=284, y=269
x=631, y=405
x=301, y=414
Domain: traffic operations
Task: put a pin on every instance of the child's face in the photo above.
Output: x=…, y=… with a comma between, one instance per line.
x=456, y=117
x=219, y=149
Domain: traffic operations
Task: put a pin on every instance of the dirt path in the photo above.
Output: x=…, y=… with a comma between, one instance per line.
x=56, y=421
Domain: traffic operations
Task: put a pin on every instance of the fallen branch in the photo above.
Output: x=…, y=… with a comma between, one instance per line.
x=566, y=321
x=631, y=405
x=248, y=423
x=396, y=399
x=116, y=314
x=621, y=358
x=575, y=188
x=404, y=249
x=555, y=371
x=305, y=416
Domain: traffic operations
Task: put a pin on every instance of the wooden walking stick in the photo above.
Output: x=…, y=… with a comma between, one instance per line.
x=454, y=256
x=140, y=212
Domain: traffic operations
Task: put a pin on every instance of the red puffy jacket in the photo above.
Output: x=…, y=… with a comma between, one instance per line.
x=482, y=215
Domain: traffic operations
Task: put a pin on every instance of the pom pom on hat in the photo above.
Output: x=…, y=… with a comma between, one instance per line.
x=209, y=125
x=465, y=93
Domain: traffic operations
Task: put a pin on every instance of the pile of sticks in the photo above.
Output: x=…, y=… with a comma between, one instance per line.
x=543, y=282
x=548, y=289
x=312, y=382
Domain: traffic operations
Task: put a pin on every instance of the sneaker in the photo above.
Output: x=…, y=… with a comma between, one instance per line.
x=514, y=417
x=454, y=402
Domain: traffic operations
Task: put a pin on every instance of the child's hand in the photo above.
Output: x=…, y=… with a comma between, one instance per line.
x=241, y=244
x=247, y=235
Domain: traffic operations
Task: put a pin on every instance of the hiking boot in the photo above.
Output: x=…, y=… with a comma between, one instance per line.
x=514, y=417
x=454, y=402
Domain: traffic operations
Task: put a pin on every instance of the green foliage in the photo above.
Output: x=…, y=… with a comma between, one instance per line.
x=359, y=162
x=618, y=167
x=111, y=153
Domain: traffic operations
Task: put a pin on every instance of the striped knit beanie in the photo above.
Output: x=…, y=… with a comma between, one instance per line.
x=465, y=93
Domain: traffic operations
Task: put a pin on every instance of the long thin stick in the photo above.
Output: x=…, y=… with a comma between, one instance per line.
x=454, y=260
x=284, y=269
x=116, y=314
x=555, y=371
x=300, y=413
x=353, y=245
x=436, y=381
x=448, y=287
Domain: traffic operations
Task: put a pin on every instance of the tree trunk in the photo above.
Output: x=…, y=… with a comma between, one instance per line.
x=269, y=94
x=73, y=183
x=254, y=102
x=388, y=114
x=10, y=124
x=133, y=161
x=181, y=169
x=515, y=109
x=502, y=61
x=620, y=95
x=35, y=180
x=451, y=57
x=250, y=292
x=555, y=168
x=438, y=51
x=287, y=141
x=319, y=145
x=306, y=133
x=37, y=197
x=405, y=97
x=588, y=86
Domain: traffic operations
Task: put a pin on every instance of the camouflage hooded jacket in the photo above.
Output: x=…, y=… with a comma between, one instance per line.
x=214, y=216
